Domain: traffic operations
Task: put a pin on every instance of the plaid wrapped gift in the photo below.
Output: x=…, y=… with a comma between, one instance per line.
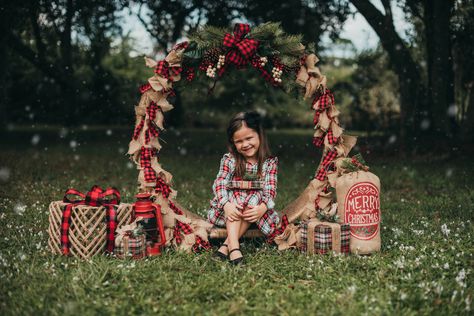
x=245, y=185
x=323, y=237
x=131, y=247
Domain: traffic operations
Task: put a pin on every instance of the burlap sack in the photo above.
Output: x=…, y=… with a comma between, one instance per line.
x=358, y=198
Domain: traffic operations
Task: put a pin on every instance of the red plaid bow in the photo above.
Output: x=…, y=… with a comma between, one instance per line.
x=162, y=187
x=326, y=164
x=163, y=69
x=245, y=47
x=145, y=162
x=280, y=230
x=95, y=197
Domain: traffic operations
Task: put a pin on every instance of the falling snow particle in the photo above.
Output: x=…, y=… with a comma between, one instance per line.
x=425, y=124
x=4, y=174
x=129, y=165
x=449, y=172
x=35, y=139
x=183, y=151
x=73, y=144
x=108, y=132
x=452, y=110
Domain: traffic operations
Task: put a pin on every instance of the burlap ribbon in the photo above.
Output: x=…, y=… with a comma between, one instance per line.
x=335, y=234
x=168, y=71
x=310, y=77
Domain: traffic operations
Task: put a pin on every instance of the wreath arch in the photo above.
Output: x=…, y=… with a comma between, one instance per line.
x=283, y=62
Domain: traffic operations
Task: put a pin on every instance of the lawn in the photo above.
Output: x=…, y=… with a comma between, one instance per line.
x=425, y=266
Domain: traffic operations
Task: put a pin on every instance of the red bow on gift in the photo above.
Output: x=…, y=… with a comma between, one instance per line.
x=163, y=69
x=245, y=47
x=95, y=197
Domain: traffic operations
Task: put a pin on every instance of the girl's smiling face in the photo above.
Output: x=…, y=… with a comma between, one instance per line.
x=247, y=142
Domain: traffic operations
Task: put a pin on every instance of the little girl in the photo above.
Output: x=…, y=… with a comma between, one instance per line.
x=245, y=187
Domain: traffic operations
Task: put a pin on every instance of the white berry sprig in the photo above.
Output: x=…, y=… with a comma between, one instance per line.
x=263, y=61
x=276, y=73
x=221, y=61
x=211, y=71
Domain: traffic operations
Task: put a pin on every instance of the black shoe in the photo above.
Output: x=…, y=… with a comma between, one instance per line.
x=221, y=255
x=236, y=261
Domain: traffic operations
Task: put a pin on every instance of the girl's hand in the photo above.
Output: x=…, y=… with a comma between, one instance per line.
x=254, y=213
x=232, y=211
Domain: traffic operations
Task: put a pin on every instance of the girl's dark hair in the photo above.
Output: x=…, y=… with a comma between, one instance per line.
x=253, y=121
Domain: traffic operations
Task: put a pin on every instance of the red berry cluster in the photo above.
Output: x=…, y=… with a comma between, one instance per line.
x=190, y=74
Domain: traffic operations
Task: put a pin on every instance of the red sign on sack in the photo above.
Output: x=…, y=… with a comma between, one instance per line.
x=362, y=210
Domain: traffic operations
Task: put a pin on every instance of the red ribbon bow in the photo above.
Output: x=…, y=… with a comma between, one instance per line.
x=163, y=69
x=95, y=197
x=245, y=47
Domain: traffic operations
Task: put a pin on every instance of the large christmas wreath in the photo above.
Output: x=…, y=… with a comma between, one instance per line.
x=281, y=60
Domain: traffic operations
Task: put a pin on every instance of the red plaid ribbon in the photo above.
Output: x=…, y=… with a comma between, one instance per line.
x=144, y=88
x=241, y=48
x=331, y=139
x=255, y=62
x=182, y=45
x=138, y=129
x=145, y=162
x=152, y=131
x=95, y=197
x=201, y=245
x=318, y=141
x=163, y=69
x=326, y=163
x=278, y=231
x=326, y=99
x=162, y=187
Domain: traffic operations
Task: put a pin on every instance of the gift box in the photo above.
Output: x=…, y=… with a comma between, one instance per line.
x=85, y=226
x=319, y=237
x=131, y=247
x=130, y=241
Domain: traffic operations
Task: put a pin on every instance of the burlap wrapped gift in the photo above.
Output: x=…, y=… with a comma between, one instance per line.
x=358, y=199
x=322, y=237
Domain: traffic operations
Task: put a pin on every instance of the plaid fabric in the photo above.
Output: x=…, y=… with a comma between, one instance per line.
x=138, y=129
x=326, y=164
x=181, y=227
x=162, y=187
x=182, y=45
x=317, y=113
x=136, y=247
x=200, y=245
x=241, y=48
x=95, y=197
x=245, y=185
x=280, y=230
x=145, y=162
x=245, y=197
x=145, y=87
x=323, y=238
x=326, y=99
x=163, y=69
x=331, y=139
x=318, y=141
x=152, y=131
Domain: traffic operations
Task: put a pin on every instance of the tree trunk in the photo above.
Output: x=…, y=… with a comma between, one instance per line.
x=411, y=87
x=440, y=67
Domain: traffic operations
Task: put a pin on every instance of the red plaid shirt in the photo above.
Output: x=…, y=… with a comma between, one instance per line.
x=222, y=194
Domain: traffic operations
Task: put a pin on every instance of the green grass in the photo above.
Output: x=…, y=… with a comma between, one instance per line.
x=419, y=271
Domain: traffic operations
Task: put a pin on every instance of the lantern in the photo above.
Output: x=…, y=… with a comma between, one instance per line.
x=151, y=221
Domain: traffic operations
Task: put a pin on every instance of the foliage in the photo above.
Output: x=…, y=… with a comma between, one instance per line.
x=425, y=266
